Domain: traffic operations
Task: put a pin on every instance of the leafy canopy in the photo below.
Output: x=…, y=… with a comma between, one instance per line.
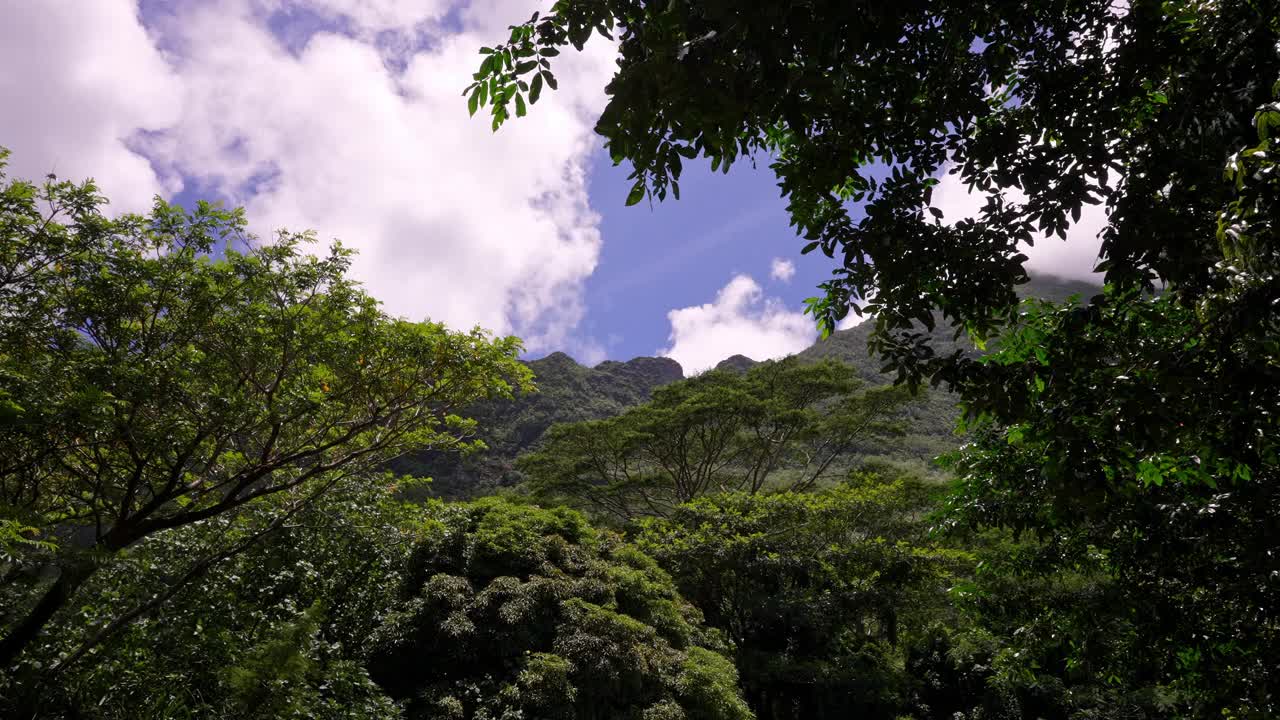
x=275, y=629
x=861, y=106
x=1138, y=428
x=153, y=375
x=784, y=423
x=814, y=589
x=517, y=611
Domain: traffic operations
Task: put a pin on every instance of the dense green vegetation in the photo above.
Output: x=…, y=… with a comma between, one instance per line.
x=517, y=611
x=267, y=564
x=148, y=388
x=208, y=444
x=1133, y=436
x=567, y=392
x=816, y=590
x=270, y=628
x=783, y=424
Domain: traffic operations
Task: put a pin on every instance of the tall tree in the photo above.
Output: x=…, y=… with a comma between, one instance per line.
x=1137, y=423
x=147, y=385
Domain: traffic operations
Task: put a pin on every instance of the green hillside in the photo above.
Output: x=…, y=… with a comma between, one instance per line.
x=567, y=392
x=570, y=392
x=934, y=415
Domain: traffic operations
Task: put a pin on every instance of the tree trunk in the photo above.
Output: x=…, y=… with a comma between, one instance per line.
x=69, y=580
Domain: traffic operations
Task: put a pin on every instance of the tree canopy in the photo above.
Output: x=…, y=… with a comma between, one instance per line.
x=860, y=107
x=153, y=374
x=517, y=611
x=275, y=629
x=813, y=589
x=786, y=423
x=196, y=517
x=1133, y=433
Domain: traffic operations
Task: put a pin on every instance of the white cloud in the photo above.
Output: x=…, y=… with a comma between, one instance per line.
x=852, y=320
x=451, y=221
x=1074, y=257
x=78, y=80
x=373, y=15
x=782, y=269
x=741, y=320
x=588, y=352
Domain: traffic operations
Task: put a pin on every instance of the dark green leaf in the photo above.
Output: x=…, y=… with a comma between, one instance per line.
x=637, y=193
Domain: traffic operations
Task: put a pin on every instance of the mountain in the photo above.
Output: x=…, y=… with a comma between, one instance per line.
x=569, y=392
x=735, y=363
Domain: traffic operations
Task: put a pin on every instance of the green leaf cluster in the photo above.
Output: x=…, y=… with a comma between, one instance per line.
x=162, y=370
x=512, y=610
x=817, y=591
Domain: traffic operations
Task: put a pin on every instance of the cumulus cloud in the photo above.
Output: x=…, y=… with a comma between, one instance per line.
x=79, y=81
x=782, y=269
x=741, y=320
x=1074, y=257
x=451, y=221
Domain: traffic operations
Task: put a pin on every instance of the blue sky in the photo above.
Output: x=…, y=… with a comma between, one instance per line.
x=346, y=117
x=679, y=254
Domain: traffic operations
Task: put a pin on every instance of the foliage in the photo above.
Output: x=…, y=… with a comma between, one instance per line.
x=1167, y=466
x=16, y=537
x=516, y=611
x=273, y=628
x=150, y=386
x=717, y=432
x=1138, y=427
x=813, y=589
x=1145, y=426
x=566, y=392
x=863, y=105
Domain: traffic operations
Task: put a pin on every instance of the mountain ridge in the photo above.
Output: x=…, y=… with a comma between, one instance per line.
x=570, y=392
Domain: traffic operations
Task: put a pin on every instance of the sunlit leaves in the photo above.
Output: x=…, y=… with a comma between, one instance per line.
x=524, y=611
x=165, y=369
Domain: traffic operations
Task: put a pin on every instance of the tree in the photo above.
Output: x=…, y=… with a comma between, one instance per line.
x=517, y=611
x=1070, y=102
x=1140, y=422
x=786, y=422
x=816, y=590
x=274, y=629
x=1155, y=461
x=147, y=385
x=1041, y=629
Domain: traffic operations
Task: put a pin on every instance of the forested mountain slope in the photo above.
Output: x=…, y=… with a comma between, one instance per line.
x=569, y=392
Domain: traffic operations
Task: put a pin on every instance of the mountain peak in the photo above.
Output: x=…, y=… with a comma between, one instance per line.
x=659, y=370
x=556, y=358
x=736, y=364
